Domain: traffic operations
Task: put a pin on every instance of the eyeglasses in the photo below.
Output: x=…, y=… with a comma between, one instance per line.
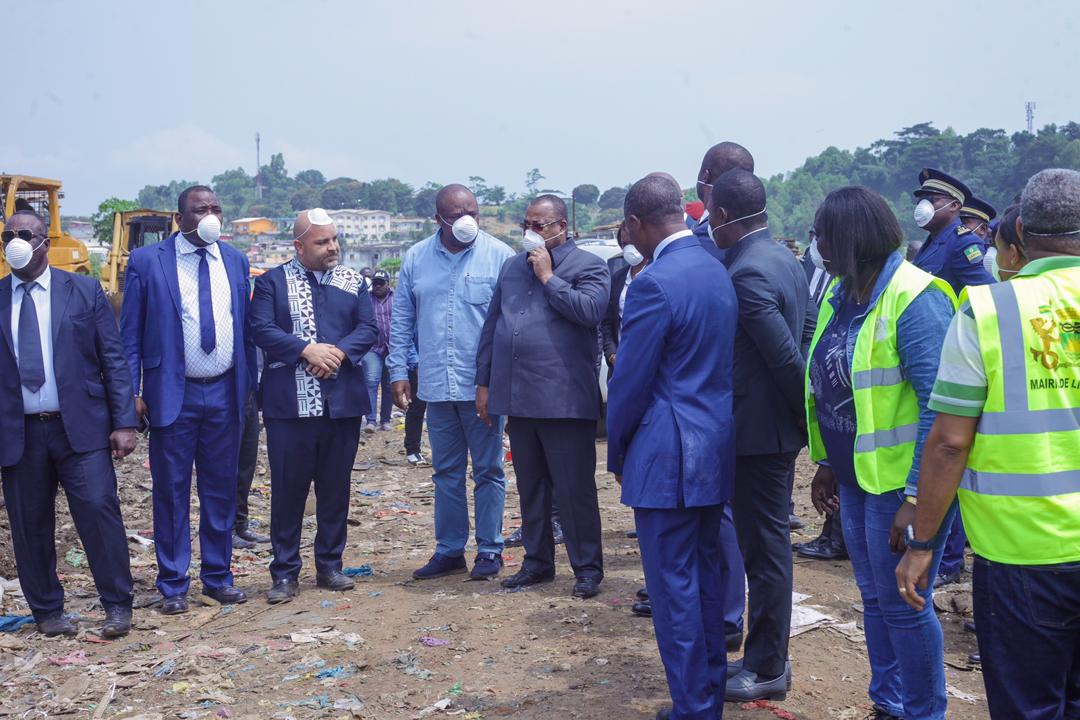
x=536, y=226
x=27, y=235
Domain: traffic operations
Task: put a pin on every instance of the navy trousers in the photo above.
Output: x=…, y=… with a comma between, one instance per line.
x=249, y=457
x=206, y=435
x=687, y=580
x=735, y=590
x=1027, y=619
x=90, y=485
x=301, y=451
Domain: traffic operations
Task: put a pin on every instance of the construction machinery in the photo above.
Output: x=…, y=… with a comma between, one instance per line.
x=43, y=197
x=132, y=230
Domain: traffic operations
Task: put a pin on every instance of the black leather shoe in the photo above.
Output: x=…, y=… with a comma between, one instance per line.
x=334, y=581
x=525, y=578
x=642, y=594
x=513, y=539
x=969, y=626
x=975, y=659
x=879, y=713
x=249, y=535
x=175, y=605
x=117, y=622
x=734, y=641
x=795, y=522
x=239, y=543
x=226, y=595
x=282, y=591
x=632, y=534
x=947, y=578
x=746, y=686
x=642, y=609
x=734, y=667
x=821, y=548
x=586, y=587
x=57, y=625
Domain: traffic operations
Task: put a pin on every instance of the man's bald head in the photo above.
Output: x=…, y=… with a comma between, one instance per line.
x=315, y=240
x=719, y=159
x=452, y=196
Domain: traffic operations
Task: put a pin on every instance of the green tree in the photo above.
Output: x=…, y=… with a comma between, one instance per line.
x=424, y=202
x=532, y=181
x=102, y=220
x=586, y=194
x=235, y=190
x=162, y=197
x=496, y=195
x=342, y=192
x=612, y=198
x=479, y=188
x=314, y=178
x=391, y=265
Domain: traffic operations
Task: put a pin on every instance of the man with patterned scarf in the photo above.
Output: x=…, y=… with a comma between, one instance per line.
x=313, y=319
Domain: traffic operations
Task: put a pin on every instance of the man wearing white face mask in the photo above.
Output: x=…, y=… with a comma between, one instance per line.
x=444, y=288
x=633, y=263
x=192, y=360
x=775, y=322
x=536, y=364
x=954, y=257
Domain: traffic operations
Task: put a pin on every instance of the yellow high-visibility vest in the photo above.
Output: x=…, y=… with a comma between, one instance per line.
x=1020, y=493
x=886, y=406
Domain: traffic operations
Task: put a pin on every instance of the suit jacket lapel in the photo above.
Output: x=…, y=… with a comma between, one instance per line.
x=60, y=295
x=6, y=286
x=167, y=258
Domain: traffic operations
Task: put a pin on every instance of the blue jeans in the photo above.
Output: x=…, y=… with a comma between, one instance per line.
x=906, y=647
x=376, y=374
x=1028, y=624
x=953, y=558
x=455, y=433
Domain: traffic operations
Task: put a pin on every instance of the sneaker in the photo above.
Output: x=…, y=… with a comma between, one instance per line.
x=416, y=459
x=947, y=578
x=386, y=426
x=486, y=566
x=440, y=565
x=795, y=522
x=369, y=428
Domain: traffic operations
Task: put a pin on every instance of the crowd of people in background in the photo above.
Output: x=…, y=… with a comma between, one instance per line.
x=937, y=391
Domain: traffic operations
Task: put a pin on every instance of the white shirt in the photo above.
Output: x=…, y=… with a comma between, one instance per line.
x=625, y=287
x=47, y=398
x=668, y=240
x=199, y=364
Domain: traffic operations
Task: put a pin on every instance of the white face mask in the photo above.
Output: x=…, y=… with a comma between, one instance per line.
x=19, y=253
x=925, y=211
x=532, y=240
x=732, y=222
x=815, y=256
x=465, y=229
x=209, y=229
x=632, y=256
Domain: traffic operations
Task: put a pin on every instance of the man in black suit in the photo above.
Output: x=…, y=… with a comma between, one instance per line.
x=536, y=364
x=622, y=274
x=314, y=320
x=769, y=414
x=67, y=401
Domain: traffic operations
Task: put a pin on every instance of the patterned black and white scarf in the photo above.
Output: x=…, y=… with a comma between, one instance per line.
x=309, y=400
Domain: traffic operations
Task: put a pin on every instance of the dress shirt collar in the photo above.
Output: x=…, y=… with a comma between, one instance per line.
x=440, y=247
x=668, y=240
x=185, y=247
x=44, y=279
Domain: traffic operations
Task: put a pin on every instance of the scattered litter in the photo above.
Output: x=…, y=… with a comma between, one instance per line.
x=851, y=631
x=339, y=672
x=75, y=558
x=166, y=668
x=313, y=635
x=73, y=688
x=455, y=689
x=955, y=692
x=361, y=571
x=443, y=704
x=407, y=663
x=429, y=641
x=370, y=493
x=766, y=705
x=11, y=623
x=75, y=657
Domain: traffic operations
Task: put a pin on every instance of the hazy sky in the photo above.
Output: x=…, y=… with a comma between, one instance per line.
x=110, y=96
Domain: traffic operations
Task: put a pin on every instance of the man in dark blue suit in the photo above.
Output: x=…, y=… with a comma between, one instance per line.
x=184, y=326
x=66, y=402
x=671, y=440
x=776, y=319
x=314, y=320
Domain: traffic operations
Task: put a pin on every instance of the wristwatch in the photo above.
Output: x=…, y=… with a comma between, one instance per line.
x=914, y=544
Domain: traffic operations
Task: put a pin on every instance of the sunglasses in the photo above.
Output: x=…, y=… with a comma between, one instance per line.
x=27, y=235
x=536, y=226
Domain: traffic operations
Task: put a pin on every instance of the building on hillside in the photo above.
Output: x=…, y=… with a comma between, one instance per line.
x=254, y=226
x=355, y=225
x=407, y=226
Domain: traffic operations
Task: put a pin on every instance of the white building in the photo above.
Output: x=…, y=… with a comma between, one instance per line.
x=355, y=225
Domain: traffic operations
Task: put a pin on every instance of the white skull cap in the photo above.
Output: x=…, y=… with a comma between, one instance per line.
x=318, y=216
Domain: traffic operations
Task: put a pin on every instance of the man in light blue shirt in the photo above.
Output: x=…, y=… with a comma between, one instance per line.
x=444, y=287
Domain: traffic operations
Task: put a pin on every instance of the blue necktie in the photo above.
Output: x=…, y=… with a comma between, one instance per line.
x=206, y=305
x=31, y=364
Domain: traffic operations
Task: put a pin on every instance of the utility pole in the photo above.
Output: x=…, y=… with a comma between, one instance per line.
x=1029, y=109
x=258, y=167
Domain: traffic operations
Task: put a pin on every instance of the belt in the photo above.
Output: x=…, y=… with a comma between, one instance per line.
x=44, y=416
x=209, y=380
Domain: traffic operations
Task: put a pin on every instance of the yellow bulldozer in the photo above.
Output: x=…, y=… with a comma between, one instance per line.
x=132, y=230
x=43, y=197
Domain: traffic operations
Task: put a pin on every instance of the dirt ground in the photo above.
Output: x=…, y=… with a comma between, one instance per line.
x=396, y=648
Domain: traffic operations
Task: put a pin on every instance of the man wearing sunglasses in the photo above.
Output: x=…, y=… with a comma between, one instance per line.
x=66, y=405
x=536, y=364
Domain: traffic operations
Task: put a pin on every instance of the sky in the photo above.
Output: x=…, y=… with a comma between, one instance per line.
x=110, y=96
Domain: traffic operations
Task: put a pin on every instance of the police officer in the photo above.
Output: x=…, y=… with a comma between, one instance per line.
x=975, y=217
x=955, y=257
x=1007, y=395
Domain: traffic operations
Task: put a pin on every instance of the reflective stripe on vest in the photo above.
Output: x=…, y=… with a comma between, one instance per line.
x=886, y=407
x=1020, y=494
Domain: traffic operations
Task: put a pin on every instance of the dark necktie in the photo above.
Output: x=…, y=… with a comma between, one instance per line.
x=31, y=364
x=206, y=305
